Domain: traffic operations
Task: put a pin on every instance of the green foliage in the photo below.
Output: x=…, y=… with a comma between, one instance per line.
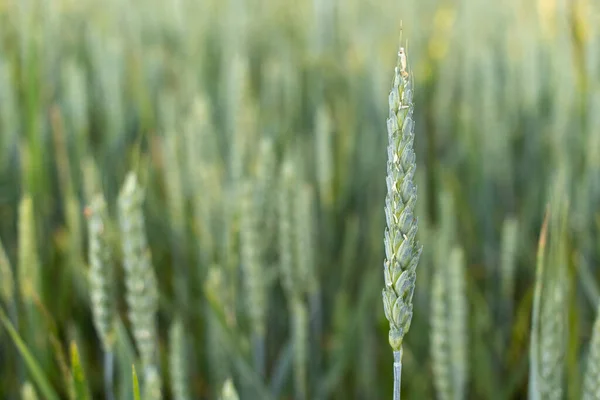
x=37, y=374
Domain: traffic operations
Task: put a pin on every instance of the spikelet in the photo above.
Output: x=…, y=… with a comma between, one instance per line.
x=402, y=252
x=101, y=275
x=28, y=392
x=152, y=384
x=7, y=280
x=140, y=280
x=229, y=392
x=29, y=266
x=177, y=361
x=591, y=382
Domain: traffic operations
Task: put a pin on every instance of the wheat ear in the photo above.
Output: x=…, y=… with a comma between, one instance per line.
x=402, y=252
x=449, y=328
x=253, y=270
x=140, y=280
x=101, y=282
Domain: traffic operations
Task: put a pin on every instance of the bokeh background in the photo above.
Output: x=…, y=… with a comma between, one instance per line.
x=203, y=98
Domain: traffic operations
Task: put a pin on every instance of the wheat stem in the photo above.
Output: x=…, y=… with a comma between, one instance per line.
x=397, y=373
x=109, y=374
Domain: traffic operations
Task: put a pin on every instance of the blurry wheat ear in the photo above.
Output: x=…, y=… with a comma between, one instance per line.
x=253, y=270
x=152, y=384
x=449, y=328
x=28, y=392
x=549, y=318
x=7, y=280
x=402, y=252
x=229, y=392
x=29, y=267
x=140, y=280
x=177, y=362
x=294, y=269
x=101, y=281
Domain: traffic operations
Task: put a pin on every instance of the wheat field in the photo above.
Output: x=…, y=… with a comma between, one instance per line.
x=202, y=199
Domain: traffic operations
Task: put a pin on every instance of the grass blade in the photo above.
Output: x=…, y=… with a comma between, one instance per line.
x=136, y=384
x=36, y=371
x=79, y=383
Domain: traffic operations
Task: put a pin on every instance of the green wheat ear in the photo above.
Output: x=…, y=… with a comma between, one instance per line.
x=549, y=330
x=140, y=280
x=253, y=269
x=402, y=251
x=101, y=275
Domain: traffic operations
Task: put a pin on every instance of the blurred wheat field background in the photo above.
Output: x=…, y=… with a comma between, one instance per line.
x=197, y=189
